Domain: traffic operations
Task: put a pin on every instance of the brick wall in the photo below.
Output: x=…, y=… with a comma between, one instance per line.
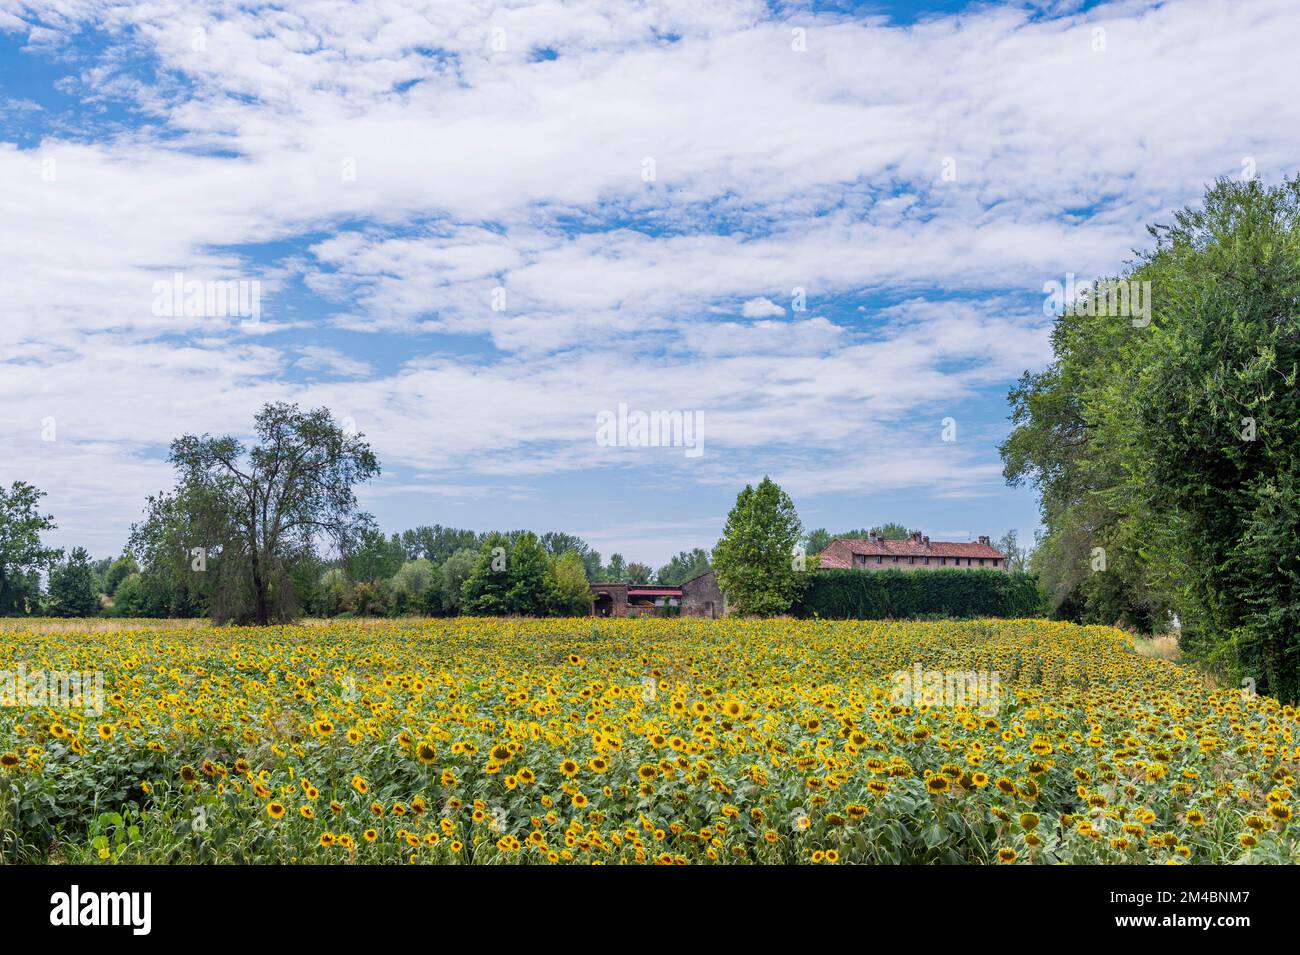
x=702, y=597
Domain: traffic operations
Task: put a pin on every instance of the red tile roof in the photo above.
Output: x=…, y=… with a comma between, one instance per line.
x=835, y=558
x=839, y=553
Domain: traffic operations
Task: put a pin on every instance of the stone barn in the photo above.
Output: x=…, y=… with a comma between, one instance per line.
x=701, y=597
x=698, y=597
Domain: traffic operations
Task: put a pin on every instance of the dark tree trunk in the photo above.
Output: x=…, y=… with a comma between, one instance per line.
x=259, y=590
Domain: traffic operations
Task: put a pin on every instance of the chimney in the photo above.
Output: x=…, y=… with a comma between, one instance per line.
x=926, y=540
x=916, y=536
x=871, y=536
x=984, y=539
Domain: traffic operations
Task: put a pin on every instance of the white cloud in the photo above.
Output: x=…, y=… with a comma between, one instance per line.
x=332, y=362
x=762, y=308
x=479, y=169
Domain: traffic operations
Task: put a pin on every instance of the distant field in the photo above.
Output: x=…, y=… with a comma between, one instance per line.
x=501, y=741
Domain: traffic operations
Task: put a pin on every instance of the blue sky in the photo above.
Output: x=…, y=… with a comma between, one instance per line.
x=475, y=227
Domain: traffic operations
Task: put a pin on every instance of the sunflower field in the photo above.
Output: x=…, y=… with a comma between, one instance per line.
x=658, y=741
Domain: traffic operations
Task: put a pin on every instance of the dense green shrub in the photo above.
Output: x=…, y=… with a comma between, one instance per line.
x=877, y=595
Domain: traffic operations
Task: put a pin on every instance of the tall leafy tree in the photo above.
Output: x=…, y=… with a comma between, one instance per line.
x=101, y=568
x=639, y=573
x=1166, y=444
x=73, y=589
x=1106, y=557
x=437, y=543
x=754, y=559
x=1218, y=408
x=454, y=571
x=530, y=588
x=616, y=569
x=118, y=571
x=817, y=541
x=22, y=555
x=509, y=577
x=558, y=543
x=371, y=555
x=1017, y=556
x=518, y=577
x=332, y=592
x=571, y=597
x=131, y=600
x=683, y=567
x=484, y=592
x=178, y=559
x=270, y=504
x=412, y=586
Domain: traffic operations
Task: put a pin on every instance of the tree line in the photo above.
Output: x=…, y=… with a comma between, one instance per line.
x=424, y=570
x=1166, y=446
x=269, y=532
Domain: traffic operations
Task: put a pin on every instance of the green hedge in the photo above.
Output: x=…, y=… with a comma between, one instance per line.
x=877, y=595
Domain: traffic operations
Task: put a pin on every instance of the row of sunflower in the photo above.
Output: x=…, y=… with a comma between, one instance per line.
x=637, y=741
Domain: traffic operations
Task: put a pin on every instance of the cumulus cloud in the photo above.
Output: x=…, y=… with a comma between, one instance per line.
x=472, y=250
x=761, y=308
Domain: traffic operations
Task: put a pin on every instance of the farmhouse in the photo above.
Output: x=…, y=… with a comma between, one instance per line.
x=916, y=553
x=697, y=597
